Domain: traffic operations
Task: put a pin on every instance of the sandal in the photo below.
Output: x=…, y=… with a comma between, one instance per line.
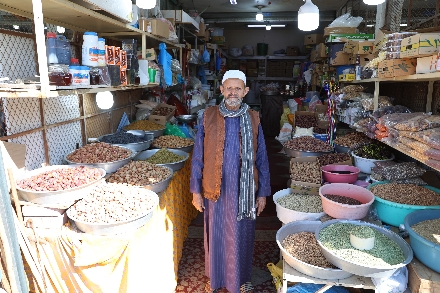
x=247, y=288
x=208, y=288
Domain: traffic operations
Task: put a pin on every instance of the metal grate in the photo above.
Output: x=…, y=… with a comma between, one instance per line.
x=59, y=109
x=21, y=114
x=34, y=149
x=16, y=23
x=62, y=140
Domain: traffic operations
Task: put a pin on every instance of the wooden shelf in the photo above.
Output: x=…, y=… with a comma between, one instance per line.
x=273, y=78
x=409, y=78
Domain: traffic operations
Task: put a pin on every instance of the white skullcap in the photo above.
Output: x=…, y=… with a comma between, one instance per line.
x=234, y=74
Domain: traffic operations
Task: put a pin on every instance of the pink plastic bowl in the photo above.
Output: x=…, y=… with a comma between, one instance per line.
x=328, y=176
x=345, y=211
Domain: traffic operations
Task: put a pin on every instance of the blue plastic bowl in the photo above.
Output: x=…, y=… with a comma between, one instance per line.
x=425, y=251
x=394, y=213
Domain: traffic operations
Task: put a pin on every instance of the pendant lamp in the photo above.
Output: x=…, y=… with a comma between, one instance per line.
x=374, y=2
x=259, y=16
x=146, y=4
x=268, y=27
x=233, y=2
x=308, y=16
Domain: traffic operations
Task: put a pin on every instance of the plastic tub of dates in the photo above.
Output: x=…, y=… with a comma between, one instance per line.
x=113, y=209
x=59, y=184
x=306, y=146
x=135, y=140
x=101, y=155
x=174, y=159
x=173, y=142
x=147, y=126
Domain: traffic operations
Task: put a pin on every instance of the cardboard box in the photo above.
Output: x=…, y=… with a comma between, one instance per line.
x=150, y=54
x=211, y=46
x=347, y=77
x=420, y=45
x=421, y=278
x=305, y=160
x=346, y=37
x=313, y=39
x=359, y=47
x=162, y=120
x=302, y=113
x=364, y=59
x=292, y=51
x=380, y=40
x=159, y=28
x=307, y=49
x=218, y=40
x=42, y=217
x=426, y=64
x=337, y=55
x=314, y=56
x=339, y=30
x=396, y=67
x=201, y=32
x=321, y=50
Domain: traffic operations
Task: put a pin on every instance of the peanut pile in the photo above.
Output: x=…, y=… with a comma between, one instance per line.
x=162, y=111
x=144, y=125
x=305, y=172
x=113, y=203
x=60, y=179
x=99, y=153
x=308, y=144
x=406, y=194
x=140, y=173
x=172, y=142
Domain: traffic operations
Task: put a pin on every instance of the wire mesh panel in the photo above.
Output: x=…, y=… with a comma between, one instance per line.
x=62, y=140
x=16, y=23
x=59, y=109
x=21, y=114
x=98, y=125
x=17, y=58
x=34, y=149
x=421, y=14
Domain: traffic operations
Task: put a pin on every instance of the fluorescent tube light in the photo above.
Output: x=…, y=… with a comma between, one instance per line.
x=263, y=25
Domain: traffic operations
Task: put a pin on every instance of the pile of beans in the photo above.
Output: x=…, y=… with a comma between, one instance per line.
x=406, y=194
x=144, y=125
x=427, y=229
x=342, y=199
x=304, y=203
x=60, y=179
x=99, y=153
x=140, y=173
x=328, y=159
x=172, y=142
x=305, y=172
x=162, y=111
x=112, y=203
x=164, y=156
x=305, y=121
x=308, y=144
x=352, y=139
x=385, y=253
x=121, y=137
x=303, y=246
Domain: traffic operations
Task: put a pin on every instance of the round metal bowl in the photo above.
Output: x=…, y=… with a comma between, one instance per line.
x=305, y=268
x=160, y=186
x=118, y=227
x=155, y=133
x=55, y=197
x=299, y=154
x=186, y=118
x=138, y=146
x=360, y=269
x=142, y=156
x=109, y=167
x=341, y=149
x=186, y=149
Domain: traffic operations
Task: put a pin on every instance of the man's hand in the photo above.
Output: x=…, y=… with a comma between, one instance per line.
x=198, y=202
x=261, y=204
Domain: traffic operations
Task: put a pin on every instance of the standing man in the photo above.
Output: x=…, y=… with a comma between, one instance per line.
x=229, y=168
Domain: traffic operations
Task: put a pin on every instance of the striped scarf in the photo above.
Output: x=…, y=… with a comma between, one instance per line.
x=246, y=200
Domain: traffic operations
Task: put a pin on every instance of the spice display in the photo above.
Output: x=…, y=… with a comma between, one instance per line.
x=402, y=171
x=303, y=246
x=164, y=156
x=112, y=203
x=373, y=151
x=352, y=139
x=328, y=159
x=162, y=111
x=304, y=203
x=386, y=252
x=305, y=121
x=121, y=137
x=172, y=142
x=342, y=199
x=60, y=179
x=406, y=194
x=99, y=153
x=363, y=232
x=145, y=125
x=308, y=144
x=305, y=172
x=140, y=173
x=429, y=229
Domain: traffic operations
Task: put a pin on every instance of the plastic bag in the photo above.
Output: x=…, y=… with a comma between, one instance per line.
x=414, y=144
x=351, y=96
x=277, y=274
x=418, y=123
x=412, y=152
x=284, y=119
x=171, y=129
x=312, y=288
x=142, y=114
x=392, y=119
x=346, y=20
x=390, y=110
x=193, y=56
x=433, y=154
x=303, y=132
x=397, y=283
x=352, y=88
x=433, y=163
x=205, y=56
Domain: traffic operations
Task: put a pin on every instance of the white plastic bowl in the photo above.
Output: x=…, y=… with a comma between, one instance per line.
x=365, y=165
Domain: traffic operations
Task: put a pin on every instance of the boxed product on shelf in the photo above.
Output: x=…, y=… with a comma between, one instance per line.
x=115, y=74
x=321, y=50
x=396, y=67
x=347, y=77
x=218, y=40
x=313, y=39
x=159, y=28
x=420, y=45
x=339, y=30
x=359, y=47
x=162, y=120
x=202, y=28
x=380, y=40
x=337, y=55
x=292, y=51
x=364, y=59
x=345, y=37
x=426, y=64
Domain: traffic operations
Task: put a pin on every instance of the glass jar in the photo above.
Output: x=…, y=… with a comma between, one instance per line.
x=94, y=76
x=59, y=75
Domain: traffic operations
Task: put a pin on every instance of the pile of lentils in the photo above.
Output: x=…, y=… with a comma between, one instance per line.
x=308, y=144
x=427, y=229
x=304, y=203
x=164, y=156
x=121, y=137
x=373, y=151
x=406, y=194
x=385, y=253
x=342, y=199
x=303, y=246
x=144, y=125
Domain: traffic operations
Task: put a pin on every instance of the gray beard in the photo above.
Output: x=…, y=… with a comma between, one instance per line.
x=234, y=102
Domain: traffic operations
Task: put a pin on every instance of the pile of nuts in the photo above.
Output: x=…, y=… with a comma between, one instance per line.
x=162, y=111
x=140, y=173
x=113, y=203
x=303, y=246
x=305, y=172
x=308, y=144
x=61, y=179
x=164, y=156
x=305, y=121
x=304, y=203
x=328, y=159
x=342, y=199
x=99, y=153
x=121, y=137
x=172, y=142
x=427, y=229
x=406, y=194
x=352, y=139
x=144, y=125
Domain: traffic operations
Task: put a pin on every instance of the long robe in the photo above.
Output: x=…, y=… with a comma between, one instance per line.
x=229, y=244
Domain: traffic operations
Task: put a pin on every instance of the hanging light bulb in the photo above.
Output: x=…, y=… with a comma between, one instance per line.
x=146, y=4
x=104, y=100
x=268, y=27
x=259, y=16
x=233, y=2
x=308, y=16
x=374, y=2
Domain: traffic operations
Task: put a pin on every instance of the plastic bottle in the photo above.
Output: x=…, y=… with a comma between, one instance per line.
x=90, y=49
x=63, y=50
x=101, y=52
x=358, y=67
x=51, y=48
